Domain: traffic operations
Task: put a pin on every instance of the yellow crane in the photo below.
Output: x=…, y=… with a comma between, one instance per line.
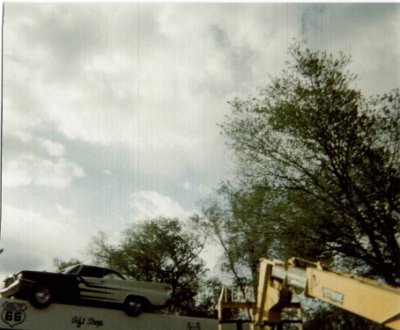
x=278, y=285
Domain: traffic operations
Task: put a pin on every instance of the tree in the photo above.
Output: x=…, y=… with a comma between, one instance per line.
x=237, y=221
x=159, y=250
x=207, y=298
x=331, y=157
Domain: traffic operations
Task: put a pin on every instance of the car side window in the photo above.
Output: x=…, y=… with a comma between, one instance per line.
x=111, y=275
x=88, y=271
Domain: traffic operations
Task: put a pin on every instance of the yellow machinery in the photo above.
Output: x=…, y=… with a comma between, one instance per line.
x=279, y=282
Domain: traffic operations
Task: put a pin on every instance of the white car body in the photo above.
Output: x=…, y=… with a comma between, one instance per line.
x=80, y=284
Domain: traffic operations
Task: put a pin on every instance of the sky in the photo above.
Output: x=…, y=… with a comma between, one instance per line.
x=111, y=111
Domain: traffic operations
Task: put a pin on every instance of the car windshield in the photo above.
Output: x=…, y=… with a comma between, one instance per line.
x=71, y=269
x=93, y=271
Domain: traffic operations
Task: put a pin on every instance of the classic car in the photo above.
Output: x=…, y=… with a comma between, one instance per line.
x=83, y=284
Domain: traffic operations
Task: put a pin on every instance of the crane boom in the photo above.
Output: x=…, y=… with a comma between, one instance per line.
x=279, y=281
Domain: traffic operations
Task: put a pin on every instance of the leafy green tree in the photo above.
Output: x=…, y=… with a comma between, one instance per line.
x=207, y=298
x=160, y=250
x=332, y=159
x=237, y=221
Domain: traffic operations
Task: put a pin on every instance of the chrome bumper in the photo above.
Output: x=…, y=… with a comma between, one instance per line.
x=11, y=289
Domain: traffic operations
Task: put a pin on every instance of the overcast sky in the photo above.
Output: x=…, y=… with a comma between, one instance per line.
x=111, y=111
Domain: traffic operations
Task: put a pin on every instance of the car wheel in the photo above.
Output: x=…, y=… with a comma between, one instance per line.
x=133, y=306
x=41, y=296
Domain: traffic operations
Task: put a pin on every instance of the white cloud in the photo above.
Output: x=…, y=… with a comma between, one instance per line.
x=27, y=169
x=151, y=204
x=33, y=240
x=201, y=189
x=212, y=254
x=52, y=148
x=63, y=212
x=140, y=81
x=204, y=190
x=147, y=96
x=16, y=174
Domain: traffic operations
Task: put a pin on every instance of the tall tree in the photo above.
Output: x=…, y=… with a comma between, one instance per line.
x=237, y=219
x=332, y=156
x=159, y=250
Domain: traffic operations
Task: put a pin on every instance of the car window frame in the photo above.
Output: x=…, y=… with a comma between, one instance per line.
x=69, y=270
x=118, y=275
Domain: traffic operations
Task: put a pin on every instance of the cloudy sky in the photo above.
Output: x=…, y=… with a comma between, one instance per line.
x=111, y=111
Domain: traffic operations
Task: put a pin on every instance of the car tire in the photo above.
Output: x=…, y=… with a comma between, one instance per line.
x=133, y=306
x=41, y=296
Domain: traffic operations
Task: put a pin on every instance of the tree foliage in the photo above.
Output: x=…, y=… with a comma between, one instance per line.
x=236, y=221
x=160, y=250
x=331, y=159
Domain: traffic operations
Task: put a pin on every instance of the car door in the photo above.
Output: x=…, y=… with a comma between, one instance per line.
x=95, y=286
x=91, y=284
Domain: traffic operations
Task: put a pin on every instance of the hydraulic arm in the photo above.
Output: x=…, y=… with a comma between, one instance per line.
x=280, y=281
